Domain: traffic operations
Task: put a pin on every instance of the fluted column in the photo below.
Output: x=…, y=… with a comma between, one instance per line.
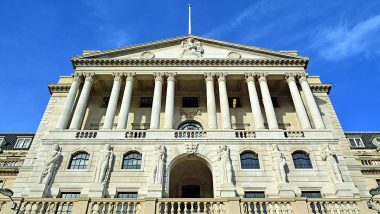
x=310, y=101
x=69, y=103
x=211, y=106
x=297, y=101
x=80, y=109
x=169, y=103
x=156, y=106
x=112, y=104
x=126, y=101
x=267, y=101
x=254, y=100
x=223, y=98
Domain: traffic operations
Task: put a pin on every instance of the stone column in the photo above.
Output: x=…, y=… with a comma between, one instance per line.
x=254, y=100
x=169, y=104
x=69, y=103
x=211, y=106
x=267, y=101
x=297, y=101
x=80, y=109
x=310, y=101
x=112, y=104
x=156, y=106
x=126, y=101
x=223, y=98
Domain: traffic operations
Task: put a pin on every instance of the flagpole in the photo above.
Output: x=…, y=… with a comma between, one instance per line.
x=189, y=18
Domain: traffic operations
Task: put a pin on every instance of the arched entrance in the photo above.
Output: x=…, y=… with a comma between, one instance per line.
x=190, y=177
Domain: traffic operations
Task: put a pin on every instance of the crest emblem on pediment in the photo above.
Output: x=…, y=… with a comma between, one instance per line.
x=191, y=148
x=191, y=48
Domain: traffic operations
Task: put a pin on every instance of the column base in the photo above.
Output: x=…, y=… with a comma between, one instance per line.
x=227, y=190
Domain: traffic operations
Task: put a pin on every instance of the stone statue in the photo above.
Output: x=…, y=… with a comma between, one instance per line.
x=191, y=47
x=279, y=163
x=331, y=164
x=158, y=164
x=104, y=165
x=225, y=166
x=51, y=165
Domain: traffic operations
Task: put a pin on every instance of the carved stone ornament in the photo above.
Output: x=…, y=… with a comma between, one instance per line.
x=191, y=48
x=190, y=114
x=51, y=165
x=191, y=148
x=147, y=55
x=234, y=55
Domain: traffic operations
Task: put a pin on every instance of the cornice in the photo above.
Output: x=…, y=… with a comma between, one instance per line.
x=59, y=88
x=106, y=62
x=320, y=88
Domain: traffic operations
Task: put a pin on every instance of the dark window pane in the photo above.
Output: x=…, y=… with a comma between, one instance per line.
x=301, y=160
x=249, y=160
x=190, y=102
x=132, y=160
x=105, y=102
x=311, y=194
x=252, y=194
x=126, y=195
x=275, y=102
x=79, y=161
x=378, y=182
x=146, y=102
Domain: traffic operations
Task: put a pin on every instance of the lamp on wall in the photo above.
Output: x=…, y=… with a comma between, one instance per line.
x=374, y=191
x=8, y=193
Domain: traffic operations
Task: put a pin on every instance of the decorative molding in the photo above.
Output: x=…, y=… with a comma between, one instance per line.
x=234, y=55
x=191, y=148
x=77, y=62
x=190, y=115
x=59, y=88
x=320, y=88
x=147, y=55
x=191, y=47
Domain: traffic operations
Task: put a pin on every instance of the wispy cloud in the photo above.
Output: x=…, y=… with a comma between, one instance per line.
x=342, y=41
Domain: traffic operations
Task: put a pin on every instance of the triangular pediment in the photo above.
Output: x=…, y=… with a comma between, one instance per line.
x=189, y=47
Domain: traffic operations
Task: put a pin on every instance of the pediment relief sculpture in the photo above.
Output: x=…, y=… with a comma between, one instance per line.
x=147, y=55
x=234, y=55
x=191, y=48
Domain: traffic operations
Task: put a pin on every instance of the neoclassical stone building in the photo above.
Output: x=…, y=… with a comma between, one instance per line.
x=190, y=125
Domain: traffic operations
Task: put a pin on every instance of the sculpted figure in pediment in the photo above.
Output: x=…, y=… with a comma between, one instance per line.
x=191, y=48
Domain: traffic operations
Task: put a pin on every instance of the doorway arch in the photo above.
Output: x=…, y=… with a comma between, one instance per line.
x=190, y=177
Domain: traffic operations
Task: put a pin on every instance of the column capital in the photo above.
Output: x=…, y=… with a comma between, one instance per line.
x=290, y=77
x=90, y=77
x=78, y=77
x=221, y=77
x=129, y=76
x=117, y=76
x=158, y=76
x=262, y=77
x=209, y=76
x=250, y=76
x=171, y=76
x=302, y=77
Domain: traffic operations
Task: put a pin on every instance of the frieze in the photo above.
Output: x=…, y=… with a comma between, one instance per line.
x=320, y=88
x=59, y=88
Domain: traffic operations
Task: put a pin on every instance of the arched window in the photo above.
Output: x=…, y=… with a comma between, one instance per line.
x=190, y=125
x=132, y=160
x=79, y=160
x=301, y=160
x=249, y=160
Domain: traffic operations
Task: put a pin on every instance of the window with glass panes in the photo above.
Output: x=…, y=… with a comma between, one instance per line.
x=125, y=207
x=301, y=160
x=132, y=160
x=146, y=102
x=68, y=206
x=378, y=182
x=254, y=194
x=23, y=143
x=249, y=160
x=79, y=160
x=126, y=195
x=356, y=142
x=311, y=194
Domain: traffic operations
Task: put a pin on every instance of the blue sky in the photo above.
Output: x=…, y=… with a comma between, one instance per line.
x=37, y=39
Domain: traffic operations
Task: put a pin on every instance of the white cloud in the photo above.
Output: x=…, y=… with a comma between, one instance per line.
x=342, y=41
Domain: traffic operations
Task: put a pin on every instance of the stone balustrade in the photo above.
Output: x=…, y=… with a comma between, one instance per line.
x=187, y=205
x=62, y=135
x=370, y=162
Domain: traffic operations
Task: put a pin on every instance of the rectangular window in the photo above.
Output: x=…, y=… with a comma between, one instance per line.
x=146, y=102
x=311, y=194
x=275, y=102
x=67, y=207
x=126, y=195
x=190, y=102
x=23, y=143
x=105, y=102
x=234, y=102
x=356, y=142
x=378, y=182
x=254, y=194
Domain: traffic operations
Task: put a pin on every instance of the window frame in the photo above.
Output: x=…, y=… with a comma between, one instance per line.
x=127, y=192
x=312, y=165
x=195, y=98
x=251, y=152
x=354, y=139
x=75, y=154
x=254, y=192
x=127, y=153
x=311, y=192
x=150, y=98
x=16, y=146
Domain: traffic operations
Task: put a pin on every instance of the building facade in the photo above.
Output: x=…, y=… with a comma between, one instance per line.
x=190, y=125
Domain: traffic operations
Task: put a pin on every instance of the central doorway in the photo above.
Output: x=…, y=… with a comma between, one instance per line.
x=190, y=177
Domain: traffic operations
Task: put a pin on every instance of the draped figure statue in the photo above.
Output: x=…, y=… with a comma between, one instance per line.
x=225, y=166
x=279, y=163
x=331, y=164
x=51, y=165
x=104, y=165
x=158, y=164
